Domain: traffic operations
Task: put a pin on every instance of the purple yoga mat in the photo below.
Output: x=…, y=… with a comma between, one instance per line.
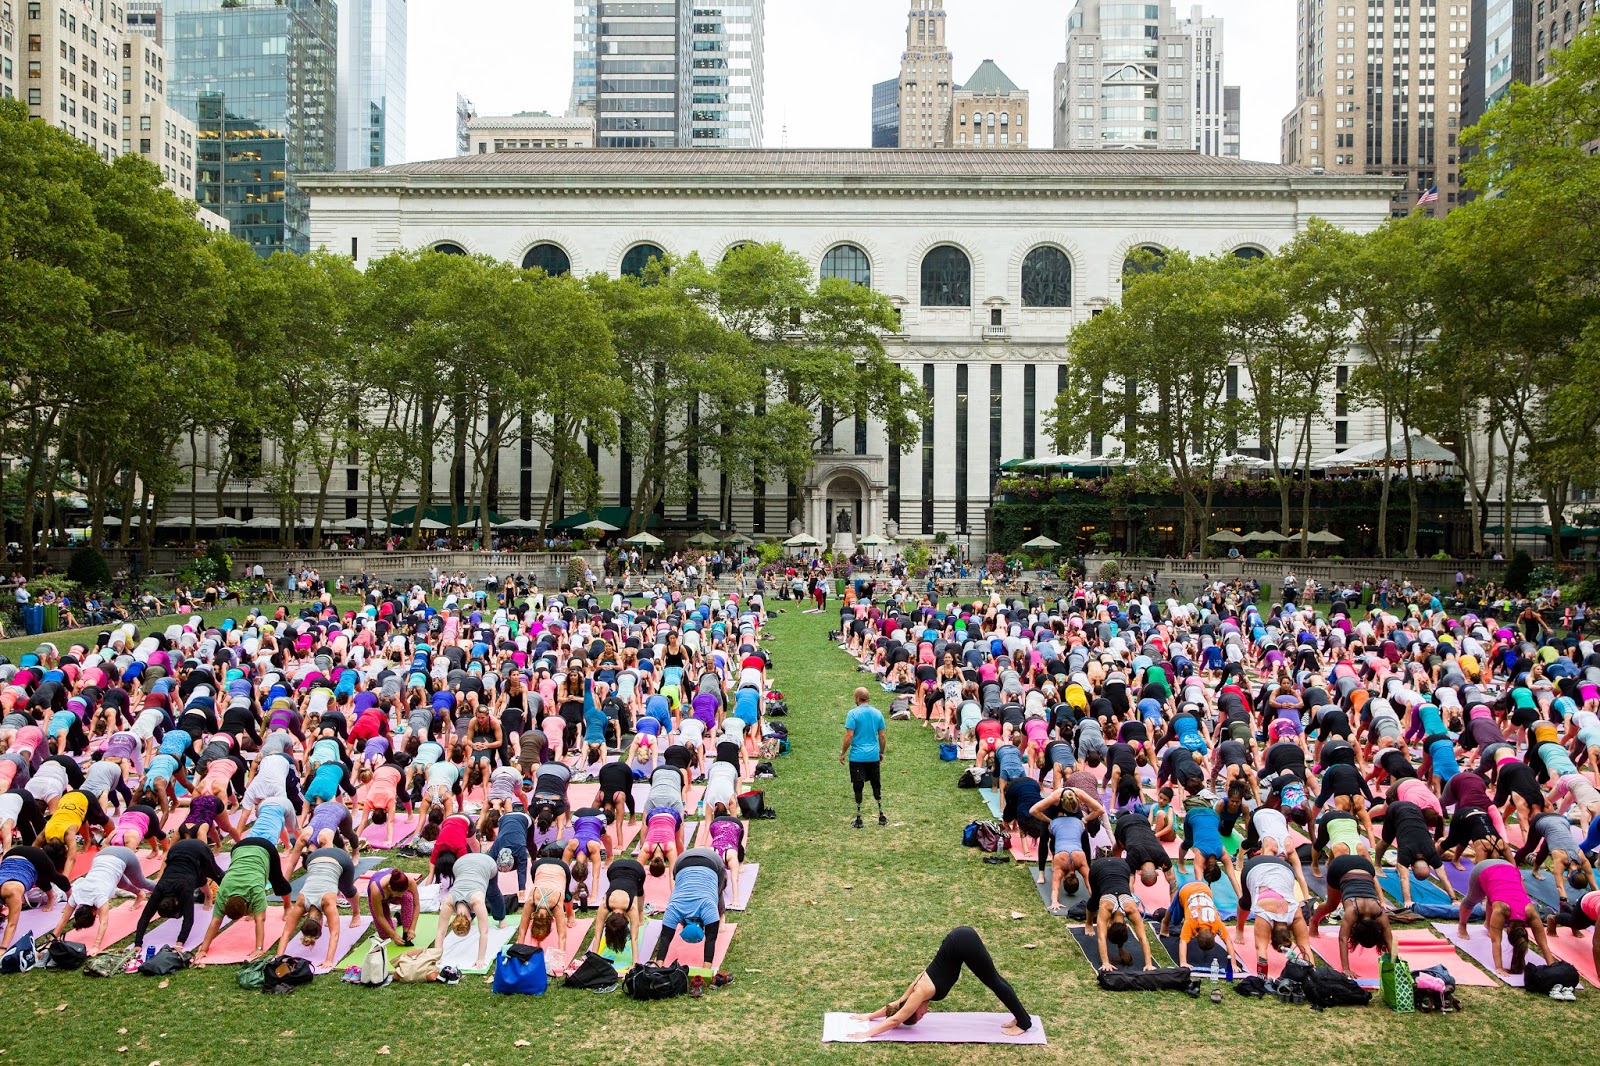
x=1477, y=948
x=937, y=1028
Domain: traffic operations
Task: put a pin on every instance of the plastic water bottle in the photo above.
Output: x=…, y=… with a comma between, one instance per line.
x=149, y=952
x=1216, y=973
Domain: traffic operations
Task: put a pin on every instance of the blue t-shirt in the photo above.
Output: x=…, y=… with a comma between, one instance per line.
x=865, y=723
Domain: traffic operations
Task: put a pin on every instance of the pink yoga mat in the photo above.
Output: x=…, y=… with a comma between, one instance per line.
x=237, y=942
x=120, y=923
x=747, y=883
x=1476, y=947
x=1578, y=950
x=405, y=827
x=316, y=953
x=578, y=935
x=691, y=955
x=149, y=864
x=1419, y=950
x=937, y=1027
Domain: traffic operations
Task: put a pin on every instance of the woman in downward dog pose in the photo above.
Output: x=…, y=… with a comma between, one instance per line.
x=961, y=947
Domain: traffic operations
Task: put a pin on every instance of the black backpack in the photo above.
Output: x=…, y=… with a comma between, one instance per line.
x=285, y=974
x=65, y=955
x=164, y=963
x=593, y=974
x=656, y=982
x=1327, y=987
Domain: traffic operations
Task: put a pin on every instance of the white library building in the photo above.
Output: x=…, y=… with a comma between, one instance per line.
x=991, y=257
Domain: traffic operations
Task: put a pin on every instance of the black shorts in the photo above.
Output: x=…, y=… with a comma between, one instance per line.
x=862, y=773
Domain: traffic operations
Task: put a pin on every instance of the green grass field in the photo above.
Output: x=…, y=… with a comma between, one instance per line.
x=840, y=920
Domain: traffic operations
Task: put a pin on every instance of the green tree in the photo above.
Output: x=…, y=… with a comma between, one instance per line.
x=1153, y=370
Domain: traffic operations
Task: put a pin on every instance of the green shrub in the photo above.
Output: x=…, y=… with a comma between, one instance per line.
x=1110, y=571
x=215, y=565
x=1519, y=573
x=89, y=569
x=769, y=552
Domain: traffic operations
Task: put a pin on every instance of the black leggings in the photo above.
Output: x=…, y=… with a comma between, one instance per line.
x=963, y=947
x=665, y=943
x=864, y=773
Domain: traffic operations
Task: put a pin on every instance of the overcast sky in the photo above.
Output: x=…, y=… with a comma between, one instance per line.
x=822, y=57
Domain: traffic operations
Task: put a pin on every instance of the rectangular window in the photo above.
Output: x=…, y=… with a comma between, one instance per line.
x=927, y=450
x=1030, y=410
x=963, y=441
x=352, y=479
x=996, y=406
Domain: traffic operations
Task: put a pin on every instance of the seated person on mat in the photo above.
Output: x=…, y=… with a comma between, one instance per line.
x=961, y=947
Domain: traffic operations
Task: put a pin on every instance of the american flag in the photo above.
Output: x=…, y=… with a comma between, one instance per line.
x=1429, y=197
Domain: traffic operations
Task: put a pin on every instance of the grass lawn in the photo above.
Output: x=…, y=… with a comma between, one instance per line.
x=841, y=920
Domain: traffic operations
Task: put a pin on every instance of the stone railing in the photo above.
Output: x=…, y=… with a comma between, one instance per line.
x=1192, y=573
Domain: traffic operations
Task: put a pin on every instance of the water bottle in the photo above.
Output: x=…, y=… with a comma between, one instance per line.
x=1216, y=973
x=149, y=952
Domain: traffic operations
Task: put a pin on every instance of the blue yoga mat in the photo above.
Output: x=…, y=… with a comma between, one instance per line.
x=992, y=798
x=1222, y=894
x=1423, y=893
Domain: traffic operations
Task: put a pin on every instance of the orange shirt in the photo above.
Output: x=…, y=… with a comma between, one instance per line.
x=1199, y=911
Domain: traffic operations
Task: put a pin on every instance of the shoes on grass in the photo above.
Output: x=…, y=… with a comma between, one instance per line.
x=697, y=987
x=857, y=822
x=883, y=819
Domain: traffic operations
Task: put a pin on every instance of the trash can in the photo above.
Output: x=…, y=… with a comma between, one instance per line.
x=33, y=620
x=52, y=617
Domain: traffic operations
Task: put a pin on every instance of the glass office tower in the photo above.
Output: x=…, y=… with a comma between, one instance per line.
x=258, y=77
x=372, y=83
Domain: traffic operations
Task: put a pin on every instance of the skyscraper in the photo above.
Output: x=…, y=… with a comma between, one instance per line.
x=69, y=53
x=925, y=79
x=1208, y=91
x=1231, y=134
x=1498, y=53
x=144, y=18
x=1128, y=78
x=886, y=114
x=660, y=75
x=1555, y=24
x=726, y=67
x=372, y=83
x=1378, y=91
x=585, y=57
x=258, y=79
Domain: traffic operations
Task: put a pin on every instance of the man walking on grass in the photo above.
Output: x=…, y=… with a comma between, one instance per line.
x=865, y=743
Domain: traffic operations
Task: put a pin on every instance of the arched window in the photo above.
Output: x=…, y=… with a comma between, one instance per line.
x=1047, y=278
x=848, y=262
x=549, y=258
x=638, y=257
x=446, y=248
x=946, y=278
x=1131, y=264
x=1248, y=251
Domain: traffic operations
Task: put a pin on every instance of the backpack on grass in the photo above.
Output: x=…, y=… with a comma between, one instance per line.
x=656, y=982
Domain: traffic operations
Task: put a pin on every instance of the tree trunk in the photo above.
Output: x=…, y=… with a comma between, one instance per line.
x=1304, y=456
x=1555, y=495
x=1411, y=494
x=1383, y=496
x=1507, y=497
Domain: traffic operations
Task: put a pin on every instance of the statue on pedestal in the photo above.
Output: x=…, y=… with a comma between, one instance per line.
x=841, y=522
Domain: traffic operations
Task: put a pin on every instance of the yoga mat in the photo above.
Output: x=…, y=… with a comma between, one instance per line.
x=747, y=883
x=992, y=798
x=1476, y=947
x=462, y=951
x=1200, y=961
x=1091, y=949
x=120, y=923
x=578, y=936
x=427, y=926
x=936, y=1028
x=349, y=937
x=37, y=920
x=1461, y=879
x=1222, y=894
x=1317, y=883
x=1023, y=849
x=166, y=933
x=364, y=865
x=1153, y=897
x=150, y=865
x=691, y=955
x=405, y=827
x=1420, y=949
x=1423, y=893
x=1065, y=898
x=235, y=943
x=1578, y=950
x=1544, y=892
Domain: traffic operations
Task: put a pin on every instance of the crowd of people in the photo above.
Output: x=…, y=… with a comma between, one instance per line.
x=248, y=789
x=1235, y=772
